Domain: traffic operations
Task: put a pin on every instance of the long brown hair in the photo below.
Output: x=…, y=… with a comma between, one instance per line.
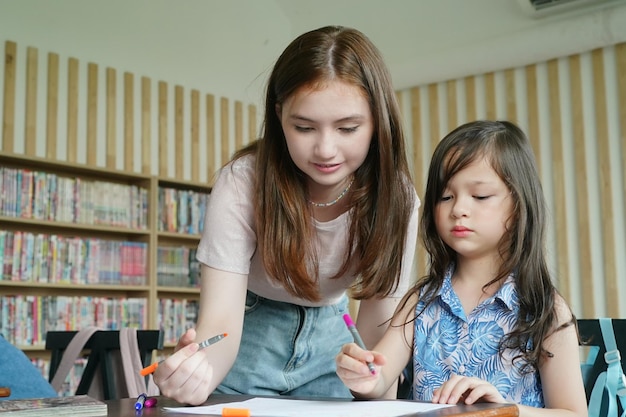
x=382, y=194
x=522, y=248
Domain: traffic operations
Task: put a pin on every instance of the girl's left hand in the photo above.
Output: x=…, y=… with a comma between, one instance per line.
x=467, y=390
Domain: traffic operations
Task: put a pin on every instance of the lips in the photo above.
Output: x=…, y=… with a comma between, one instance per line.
x=461, y=231
x=327, y=168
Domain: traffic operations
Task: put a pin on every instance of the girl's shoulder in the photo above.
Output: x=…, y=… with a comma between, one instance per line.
x=238, y=169
x=243, y=164
x=562, y=310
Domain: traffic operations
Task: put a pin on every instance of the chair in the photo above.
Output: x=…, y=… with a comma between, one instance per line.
x=103, y=346
x=591, y=335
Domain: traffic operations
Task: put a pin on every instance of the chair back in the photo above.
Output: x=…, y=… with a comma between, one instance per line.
x=595, y=364
x=103, y=358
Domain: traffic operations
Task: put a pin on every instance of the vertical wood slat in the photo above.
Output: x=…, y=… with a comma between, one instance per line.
x=533, y=111
x=418, y=143
x=418, y=166
x=453, y=117
x=620, y=58
x=583, y=219
x=111, y=118
x=433, y=116
x=195, y=135
x=224, y=129
x=146, y=127
x=252, y=133
x=470, y=98
x=210, y=135
x=605, y=186
x=162, y=115
x=179, y=131
x=129, y=121
x=558, y=178
x=8, y=117
x=52, y=106
x=490, y=96
x=30, y=125
x=72, y=110
x=92, y=113
x=511, y=97
x=238, y=124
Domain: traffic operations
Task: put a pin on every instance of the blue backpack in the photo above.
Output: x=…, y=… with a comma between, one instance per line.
x=610, y=384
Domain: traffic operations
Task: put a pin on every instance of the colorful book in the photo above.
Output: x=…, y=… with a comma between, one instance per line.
x=78, y=405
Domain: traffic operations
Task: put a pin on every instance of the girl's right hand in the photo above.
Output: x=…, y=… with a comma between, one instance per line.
x=352, y=368
x=188, y=337
x=186, y=375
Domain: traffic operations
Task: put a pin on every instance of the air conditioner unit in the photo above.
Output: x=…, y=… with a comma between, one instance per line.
x=542, y=8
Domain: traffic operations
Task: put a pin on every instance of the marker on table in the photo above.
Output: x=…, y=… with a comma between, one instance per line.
x=235, y=412
x=151, y=368
x=140, y=401
x=357, y=339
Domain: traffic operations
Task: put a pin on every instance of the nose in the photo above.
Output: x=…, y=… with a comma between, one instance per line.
x=459, y=208
x=325, y=145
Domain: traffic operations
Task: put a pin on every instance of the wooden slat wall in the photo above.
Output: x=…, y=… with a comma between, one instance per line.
x=574, y=112
x=8, y=119
x=52, y=106
x=90, y=107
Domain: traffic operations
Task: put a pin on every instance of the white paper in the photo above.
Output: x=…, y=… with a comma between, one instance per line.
x=276, y=407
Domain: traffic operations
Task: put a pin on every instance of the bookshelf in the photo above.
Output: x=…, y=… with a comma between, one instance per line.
x=82, y=245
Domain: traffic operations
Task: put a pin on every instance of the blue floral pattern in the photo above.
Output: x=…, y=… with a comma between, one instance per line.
x=447, y=342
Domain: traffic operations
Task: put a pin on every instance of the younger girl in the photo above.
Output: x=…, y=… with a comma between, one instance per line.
x=486, y=322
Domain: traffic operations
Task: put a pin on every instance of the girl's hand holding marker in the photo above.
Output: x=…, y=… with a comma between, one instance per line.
x=208, y=342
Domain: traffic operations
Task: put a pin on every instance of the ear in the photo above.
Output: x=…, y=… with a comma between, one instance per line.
x=278, y=108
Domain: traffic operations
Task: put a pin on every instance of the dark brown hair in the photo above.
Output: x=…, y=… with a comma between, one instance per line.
x=382, y=196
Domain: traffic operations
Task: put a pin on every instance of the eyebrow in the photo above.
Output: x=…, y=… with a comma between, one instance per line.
x=351, y=118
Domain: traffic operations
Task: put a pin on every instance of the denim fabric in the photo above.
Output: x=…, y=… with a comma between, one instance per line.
x=287, y=349
x=19, y=374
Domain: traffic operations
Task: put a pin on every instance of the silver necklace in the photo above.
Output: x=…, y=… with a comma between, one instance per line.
x=339, y=197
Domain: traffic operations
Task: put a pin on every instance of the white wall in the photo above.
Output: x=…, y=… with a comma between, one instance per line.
x=181, y=42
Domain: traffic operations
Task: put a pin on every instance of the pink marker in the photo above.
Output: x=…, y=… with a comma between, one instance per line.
x=357, y=339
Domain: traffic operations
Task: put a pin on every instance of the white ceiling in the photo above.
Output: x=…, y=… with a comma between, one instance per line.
x=430, y=40
x=228, y=47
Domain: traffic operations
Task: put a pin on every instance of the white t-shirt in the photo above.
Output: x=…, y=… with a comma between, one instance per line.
x=229, y=240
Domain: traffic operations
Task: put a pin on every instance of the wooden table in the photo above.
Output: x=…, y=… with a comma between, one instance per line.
x=126, y=408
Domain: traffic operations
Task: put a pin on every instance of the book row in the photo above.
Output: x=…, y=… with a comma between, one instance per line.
x=175, y=316
x=47, y=313
x=47, y=196
x=177, y=267
x=25, y=319
x=181, y=211
x=44, y=258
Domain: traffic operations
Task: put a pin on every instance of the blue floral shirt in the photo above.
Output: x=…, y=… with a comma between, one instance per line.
x=447, y=342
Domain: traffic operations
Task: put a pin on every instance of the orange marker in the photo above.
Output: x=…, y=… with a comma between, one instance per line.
x=235, y=412
x=151, y=368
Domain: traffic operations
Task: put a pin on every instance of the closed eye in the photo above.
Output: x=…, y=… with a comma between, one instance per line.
x=303, y=128
x=481, y=197
x=349, y=129
x=446, y=198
